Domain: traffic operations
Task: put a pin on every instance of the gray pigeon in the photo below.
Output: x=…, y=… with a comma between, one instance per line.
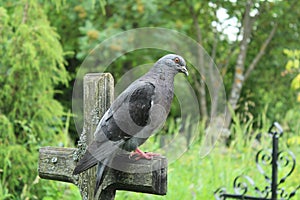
x=134, y=115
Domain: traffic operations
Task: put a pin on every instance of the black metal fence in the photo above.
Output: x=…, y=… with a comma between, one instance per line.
x=273, y=190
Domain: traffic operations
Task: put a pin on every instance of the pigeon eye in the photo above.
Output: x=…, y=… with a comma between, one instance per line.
x=176, y=60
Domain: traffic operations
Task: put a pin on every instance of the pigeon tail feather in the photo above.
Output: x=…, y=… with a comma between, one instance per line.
x=102, y=166
x=85, y=163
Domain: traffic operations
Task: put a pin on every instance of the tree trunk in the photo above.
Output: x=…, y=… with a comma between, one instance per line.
x=201, y=83
x=240, y=64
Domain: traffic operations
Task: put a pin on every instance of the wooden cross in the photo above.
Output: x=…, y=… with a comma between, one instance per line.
x=56, y=163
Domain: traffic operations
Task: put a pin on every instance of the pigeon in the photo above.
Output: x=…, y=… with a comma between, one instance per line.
x=133, y=116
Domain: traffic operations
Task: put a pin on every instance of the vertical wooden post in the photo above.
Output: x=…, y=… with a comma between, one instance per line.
x=97, y=97
x=98, y=94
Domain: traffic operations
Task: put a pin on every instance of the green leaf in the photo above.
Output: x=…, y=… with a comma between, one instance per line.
x=296, y=82
x=289, y=65
x=296, y=64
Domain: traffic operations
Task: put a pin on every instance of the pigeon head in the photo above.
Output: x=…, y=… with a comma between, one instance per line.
x=175, y=63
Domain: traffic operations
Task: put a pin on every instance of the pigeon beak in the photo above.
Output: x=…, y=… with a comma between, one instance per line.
x=184, y=70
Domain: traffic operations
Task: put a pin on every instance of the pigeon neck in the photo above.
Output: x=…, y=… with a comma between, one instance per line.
x=163, y=74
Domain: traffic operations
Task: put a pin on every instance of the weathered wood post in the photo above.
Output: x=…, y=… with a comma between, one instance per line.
x=56, y=163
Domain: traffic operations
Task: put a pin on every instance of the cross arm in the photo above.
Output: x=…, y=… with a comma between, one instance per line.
x=147, y=176
x=57, y=163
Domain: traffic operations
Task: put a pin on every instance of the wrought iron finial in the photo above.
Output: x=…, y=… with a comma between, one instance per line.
x=276, y=130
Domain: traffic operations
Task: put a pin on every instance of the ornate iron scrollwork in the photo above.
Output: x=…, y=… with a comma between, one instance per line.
x=264, y=159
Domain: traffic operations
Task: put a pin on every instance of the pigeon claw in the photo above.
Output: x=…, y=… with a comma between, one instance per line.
x=140, y=154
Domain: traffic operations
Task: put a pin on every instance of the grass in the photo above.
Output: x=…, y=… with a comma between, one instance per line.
x=195, y=178
x=192, y=177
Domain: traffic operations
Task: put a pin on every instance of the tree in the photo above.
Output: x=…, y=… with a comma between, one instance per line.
x=32, y=64
x=258, y=26
x=257, y=23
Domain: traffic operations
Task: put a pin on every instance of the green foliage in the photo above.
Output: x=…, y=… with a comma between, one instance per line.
x=266, y=85
x=83, y=25
x=32, y=64
x=292, y=66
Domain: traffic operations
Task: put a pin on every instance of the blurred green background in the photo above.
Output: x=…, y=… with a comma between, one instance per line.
x=254, y=44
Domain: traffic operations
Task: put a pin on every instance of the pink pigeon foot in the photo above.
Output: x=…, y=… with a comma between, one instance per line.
x=140, y=154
